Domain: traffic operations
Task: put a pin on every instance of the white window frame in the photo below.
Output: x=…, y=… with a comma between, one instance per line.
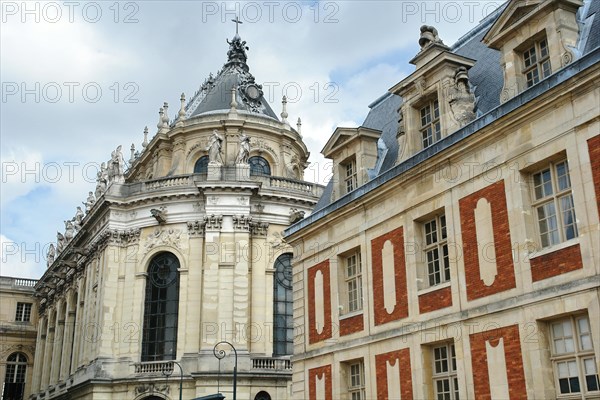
x=430, y=123
x=536, y=62
x=356, y=380
x=23, y=312
x=350, y=175
x=571, y=351
x=553, y=195
x=444, y=372
x=435, y=242
x=352, y=290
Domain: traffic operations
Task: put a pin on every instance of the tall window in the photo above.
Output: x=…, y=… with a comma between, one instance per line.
x=573, y=357
x=349, y=170
x=353, y=281
x=283, y=321
x=445, y=381
x=436, y=251
x=553, y=204
x=23, y=313
x=431, y=130
x=161, y=309
x=536, y=60
x=14, y=380
x=259, y=166
x=201, y=166
x=356, y=380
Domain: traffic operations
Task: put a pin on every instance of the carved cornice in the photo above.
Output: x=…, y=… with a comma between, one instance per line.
x=213, y=222
x=114, y=237
x=242, y=222
x=196, y=228
x=259, y=228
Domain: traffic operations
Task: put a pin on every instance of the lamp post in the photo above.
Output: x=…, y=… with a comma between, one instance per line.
x=220, y=354
x=180, y=376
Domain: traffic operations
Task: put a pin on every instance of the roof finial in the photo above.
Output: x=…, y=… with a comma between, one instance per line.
x=161, y=112
x=233, y=103
x=237, y=22
x=284, y=113
x=132, y=158
x=181, y=113
x=145, y=142
x=165, y=117
x=299, y=126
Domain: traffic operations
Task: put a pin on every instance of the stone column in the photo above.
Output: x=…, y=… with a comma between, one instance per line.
x=58, y=341
x=241, y=283
x=49, y=342
x=209, y=330
x=195, y=267
x=78, y=337
x=259, y=293
x=39, y=354
x=68, y=338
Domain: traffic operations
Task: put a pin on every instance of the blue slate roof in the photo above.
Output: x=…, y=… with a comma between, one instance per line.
x=486, y=78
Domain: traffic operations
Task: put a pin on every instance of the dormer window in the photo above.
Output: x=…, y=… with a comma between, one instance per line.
x=350, y=180
x=430, y=123
x=536, y=60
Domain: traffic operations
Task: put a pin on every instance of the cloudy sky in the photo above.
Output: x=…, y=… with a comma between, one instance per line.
x=80, y=78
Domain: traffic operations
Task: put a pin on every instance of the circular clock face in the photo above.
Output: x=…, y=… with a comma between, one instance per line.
x=253, y=92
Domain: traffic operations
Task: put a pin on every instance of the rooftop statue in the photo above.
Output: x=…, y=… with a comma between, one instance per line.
x=244, y=152
x=214, y=148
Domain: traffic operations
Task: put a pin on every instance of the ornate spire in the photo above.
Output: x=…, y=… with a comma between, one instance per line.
x=236, y=56
x=299, y=126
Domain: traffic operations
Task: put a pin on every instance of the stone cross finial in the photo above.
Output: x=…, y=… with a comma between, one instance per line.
x=237, y=22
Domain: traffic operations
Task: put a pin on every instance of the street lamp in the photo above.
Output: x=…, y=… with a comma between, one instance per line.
x=180, y=376
x=220, y=354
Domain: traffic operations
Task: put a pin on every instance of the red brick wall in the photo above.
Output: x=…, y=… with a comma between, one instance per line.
x=505, y=279
x=323, y=373
x=512, y=355
x=556, y=263
x=435, y=300
x=313, y=335
x=396, y=237
x=403, y=357
x=351, y=324
x=594, y=149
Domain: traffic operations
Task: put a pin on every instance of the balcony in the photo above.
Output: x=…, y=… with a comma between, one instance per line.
x=189, y=182
x=272, y=364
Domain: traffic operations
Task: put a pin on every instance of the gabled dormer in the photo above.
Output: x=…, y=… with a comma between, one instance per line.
x=353, y=152
x=436, y=98
x=535, y=38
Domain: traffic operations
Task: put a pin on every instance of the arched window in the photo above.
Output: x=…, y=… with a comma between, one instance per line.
x=161, y=308
x=283, y=330
x=259, y=166
x=201, y=166
x=262, y=395
x=14, y=380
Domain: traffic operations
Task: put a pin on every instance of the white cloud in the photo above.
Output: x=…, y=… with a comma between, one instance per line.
x=172, y=48
x=20, y=259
